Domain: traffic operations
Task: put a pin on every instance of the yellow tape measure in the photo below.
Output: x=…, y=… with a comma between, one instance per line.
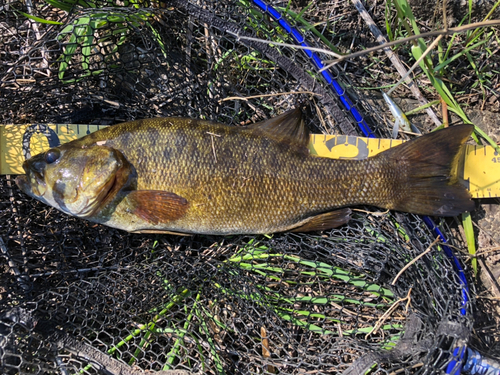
x=481, y=166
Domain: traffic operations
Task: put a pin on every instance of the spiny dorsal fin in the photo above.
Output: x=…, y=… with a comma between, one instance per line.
x=288, y=128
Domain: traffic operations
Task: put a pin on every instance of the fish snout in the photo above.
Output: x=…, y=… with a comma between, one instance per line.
x=37, y=166
x=33, y=183
x=23, y=184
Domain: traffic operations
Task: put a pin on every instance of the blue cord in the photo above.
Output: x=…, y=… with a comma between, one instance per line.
x=332, y=83
x=454, y=367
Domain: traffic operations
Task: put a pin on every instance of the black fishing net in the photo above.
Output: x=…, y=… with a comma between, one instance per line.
x=77, y=297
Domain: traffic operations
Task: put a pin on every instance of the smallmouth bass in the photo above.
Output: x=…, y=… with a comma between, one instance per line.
x=183, y=175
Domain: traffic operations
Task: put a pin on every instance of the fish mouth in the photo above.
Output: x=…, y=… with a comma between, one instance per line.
x=38, y=178
x=32, y=183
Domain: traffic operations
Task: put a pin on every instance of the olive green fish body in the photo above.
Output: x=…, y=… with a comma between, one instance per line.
x=195, y=176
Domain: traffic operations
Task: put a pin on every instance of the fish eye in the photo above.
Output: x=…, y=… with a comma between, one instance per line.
x=52, y=155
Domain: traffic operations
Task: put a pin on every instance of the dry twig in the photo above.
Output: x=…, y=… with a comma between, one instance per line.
x=415, y=260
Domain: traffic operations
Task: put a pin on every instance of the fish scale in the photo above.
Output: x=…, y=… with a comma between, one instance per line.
x=196, y=176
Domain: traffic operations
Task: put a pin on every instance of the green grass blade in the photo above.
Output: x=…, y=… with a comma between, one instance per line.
x=213, y=350
x=482, y=134
x=78, y=28
x=469, y=236
x=38, y=19
x=458, y=55
x=300, y=323
x=422, y=107
x=308, y=26
x=172, y=354
x=63, y=5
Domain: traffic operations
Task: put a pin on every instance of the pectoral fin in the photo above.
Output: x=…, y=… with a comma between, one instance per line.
x=328, y=220
x=157, y=206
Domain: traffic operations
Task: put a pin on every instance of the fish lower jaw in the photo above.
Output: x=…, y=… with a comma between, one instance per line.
x=22, y=183
x=31, y=188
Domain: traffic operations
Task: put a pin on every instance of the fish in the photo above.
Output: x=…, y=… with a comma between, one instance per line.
x=190, y=176
x=400, y=118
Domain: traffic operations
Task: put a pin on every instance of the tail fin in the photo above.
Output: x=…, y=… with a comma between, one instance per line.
x=431, y=185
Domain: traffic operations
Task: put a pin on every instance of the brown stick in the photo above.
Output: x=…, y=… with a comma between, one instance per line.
x=414, y=260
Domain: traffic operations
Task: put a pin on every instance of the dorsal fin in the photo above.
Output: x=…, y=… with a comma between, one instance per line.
x=287, y=128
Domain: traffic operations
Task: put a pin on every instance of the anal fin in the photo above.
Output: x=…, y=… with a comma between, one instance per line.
x=159, y=231
x=328, y=220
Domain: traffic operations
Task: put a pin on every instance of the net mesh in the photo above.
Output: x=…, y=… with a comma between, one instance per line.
x=79, y=297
